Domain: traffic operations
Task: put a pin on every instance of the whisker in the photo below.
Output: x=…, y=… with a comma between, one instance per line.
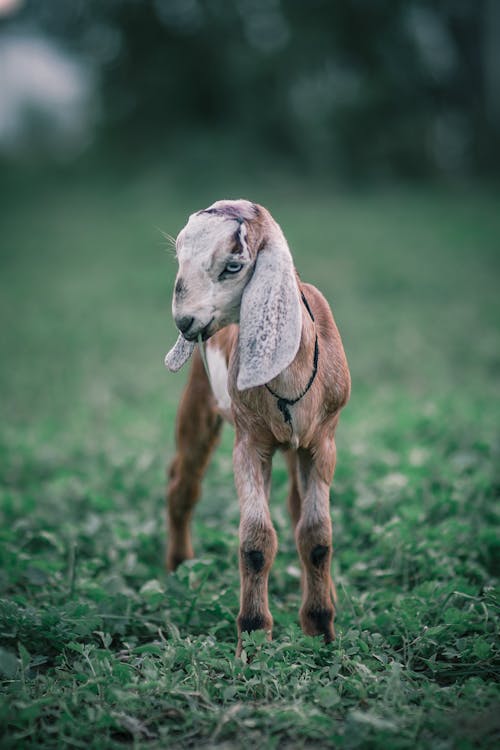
x=170, y=241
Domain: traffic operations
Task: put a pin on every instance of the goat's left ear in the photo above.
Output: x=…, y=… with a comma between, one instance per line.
x=270, y=317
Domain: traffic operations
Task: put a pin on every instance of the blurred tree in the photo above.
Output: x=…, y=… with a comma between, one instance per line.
x=392, y=87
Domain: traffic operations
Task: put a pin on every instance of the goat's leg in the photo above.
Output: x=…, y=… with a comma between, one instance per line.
x=314, y=540
x=258, y=543
x=294, y=501
x=198, y=427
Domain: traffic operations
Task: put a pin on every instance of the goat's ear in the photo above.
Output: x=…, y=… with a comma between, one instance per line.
x=270, y=317
x=179, y=354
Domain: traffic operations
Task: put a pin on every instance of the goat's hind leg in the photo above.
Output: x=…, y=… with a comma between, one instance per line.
x=294, y=501
x=197, y=429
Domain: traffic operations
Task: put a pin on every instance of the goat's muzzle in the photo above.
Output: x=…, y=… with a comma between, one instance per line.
x=184, y=323
x=191, y=328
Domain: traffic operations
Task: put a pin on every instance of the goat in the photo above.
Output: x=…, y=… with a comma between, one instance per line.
x=278, y=373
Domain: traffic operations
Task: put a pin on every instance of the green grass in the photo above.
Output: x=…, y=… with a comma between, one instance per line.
x=98, y=647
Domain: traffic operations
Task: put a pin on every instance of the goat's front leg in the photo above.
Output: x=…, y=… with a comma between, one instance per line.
x=258, y=543
x=314, y=540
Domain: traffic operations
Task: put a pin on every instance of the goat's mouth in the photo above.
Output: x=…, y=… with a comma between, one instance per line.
x=204, y=332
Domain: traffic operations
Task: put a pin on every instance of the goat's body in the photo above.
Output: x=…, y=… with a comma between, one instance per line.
x=315, y=392
x=311, y=414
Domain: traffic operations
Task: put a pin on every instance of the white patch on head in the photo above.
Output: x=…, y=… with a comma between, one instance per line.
x=218, y=376
x=201, y=235
x=211, y=239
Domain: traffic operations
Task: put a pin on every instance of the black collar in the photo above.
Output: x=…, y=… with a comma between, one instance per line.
x=284, y=403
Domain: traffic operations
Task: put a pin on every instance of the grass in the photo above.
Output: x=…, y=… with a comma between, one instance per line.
x=98, y=647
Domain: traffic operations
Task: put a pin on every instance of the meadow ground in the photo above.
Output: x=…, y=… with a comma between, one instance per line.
x=99, y=648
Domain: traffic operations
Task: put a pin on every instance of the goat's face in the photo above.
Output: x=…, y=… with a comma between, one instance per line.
x=215, y=264
x=235, y=267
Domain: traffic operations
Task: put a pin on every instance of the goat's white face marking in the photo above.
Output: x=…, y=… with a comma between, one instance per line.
x=207, y=292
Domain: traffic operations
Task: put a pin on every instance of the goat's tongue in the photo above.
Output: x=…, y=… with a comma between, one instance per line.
x=179, y=354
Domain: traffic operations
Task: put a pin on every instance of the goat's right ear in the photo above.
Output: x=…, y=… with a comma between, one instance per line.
x=179, y=354
x=270, y=317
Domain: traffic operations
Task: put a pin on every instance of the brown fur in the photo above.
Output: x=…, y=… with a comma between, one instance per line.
x=260, y=429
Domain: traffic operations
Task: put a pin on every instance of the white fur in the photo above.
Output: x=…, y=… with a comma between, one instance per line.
x=218, y=377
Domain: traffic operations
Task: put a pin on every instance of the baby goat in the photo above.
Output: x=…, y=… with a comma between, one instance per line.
x=278, y=373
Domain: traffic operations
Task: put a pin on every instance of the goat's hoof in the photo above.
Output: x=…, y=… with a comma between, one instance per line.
x=174, y=559
x=249, y=623
x=318, y=621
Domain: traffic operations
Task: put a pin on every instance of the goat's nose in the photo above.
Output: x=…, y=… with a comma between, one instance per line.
x=184, y=324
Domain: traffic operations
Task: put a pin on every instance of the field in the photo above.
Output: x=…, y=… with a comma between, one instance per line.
x=99, y=648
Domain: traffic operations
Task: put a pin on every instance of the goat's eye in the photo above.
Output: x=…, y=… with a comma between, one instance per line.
x=233, y=267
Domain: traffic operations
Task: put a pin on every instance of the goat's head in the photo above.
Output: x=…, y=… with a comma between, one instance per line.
x=215, y=253
x=235, y=267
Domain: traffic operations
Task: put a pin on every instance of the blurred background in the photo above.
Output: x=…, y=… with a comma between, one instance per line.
x=360, y=89
x=369, y=128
